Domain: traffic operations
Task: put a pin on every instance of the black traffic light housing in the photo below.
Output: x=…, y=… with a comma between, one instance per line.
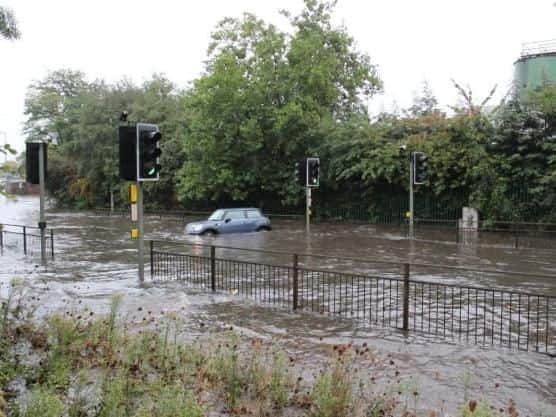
x=307, y=172
x=32, y=162
x=148, y=152
x=140, y=152
x=313, y=172
x=301, y=172
x=419, y=167
x=128, y=152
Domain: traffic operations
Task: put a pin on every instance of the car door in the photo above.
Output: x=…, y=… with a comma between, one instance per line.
x=234, y=221
x=252, y=219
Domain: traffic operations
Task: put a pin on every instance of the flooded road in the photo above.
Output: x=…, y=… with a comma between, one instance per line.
x=95, y=259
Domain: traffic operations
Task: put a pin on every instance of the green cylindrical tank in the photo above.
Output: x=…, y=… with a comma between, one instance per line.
x=536, y=67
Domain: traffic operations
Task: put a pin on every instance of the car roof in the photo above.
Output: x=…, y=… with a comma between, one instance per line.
x=240, y=208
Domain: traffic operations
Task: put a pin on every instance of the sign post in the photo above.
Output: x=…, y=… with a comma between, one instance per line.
x=140, y=246
x=308, y=209
x=411, y=209
x=42, y=221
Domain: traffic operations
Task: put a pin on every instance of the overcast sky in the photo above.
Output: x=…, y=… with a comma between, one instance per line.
x=473, y=41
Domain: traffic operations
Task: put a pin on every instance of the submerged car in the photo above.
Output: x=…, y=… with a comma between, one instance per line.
x=236, y=220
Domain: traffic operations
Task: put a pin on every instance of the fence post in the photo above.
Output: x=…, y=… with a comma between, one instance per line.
x=2, y=236
x=52, y=243
x=405, y=272
x=213, y=268
x=516, y=241
x=295, y=285
x=457, y=232
x=24, y=240
x=151, y=250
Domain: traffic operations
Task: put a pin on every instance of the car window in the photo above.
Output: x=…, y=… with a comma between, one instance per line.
x=253, y=214
x=217, y=215
x=234, y=215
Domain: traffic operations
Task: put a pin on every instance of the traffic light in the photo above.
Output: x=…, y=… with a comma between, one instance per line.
x=301, y=172
x=148, y=152
x=32, y=162
x=313, y=170
x=128, y=152
x=419, y=168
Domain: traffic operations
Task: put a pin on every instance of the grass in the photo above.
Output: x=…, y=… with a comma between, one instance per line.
x=98, y=366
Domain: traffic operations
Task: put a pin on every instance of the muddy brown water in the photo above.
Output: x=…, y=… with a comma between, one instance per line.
x=94, y=259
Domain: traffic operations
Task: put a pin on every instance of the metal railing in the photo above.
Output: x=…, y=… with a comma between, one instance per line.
x=25, y=238
x=390, y=296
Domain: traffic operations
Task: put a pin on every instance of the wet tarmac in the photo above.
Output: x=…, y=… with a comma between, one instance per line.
x=95, y=259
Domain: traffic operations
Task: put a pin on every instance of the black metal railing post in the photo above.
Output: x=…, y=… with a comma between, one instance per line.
x=52, y=243
x=405, y=273
x=213, y=268
x=295, y=283
x=151, y=250
x=1, y=236
x=24, y=240
x=516, y=241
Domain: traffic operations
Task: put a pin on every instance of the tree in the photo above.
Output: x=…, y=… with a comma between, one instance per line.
x=8, y=24
x=8, y=30
x=262, y=103
x=425, y=103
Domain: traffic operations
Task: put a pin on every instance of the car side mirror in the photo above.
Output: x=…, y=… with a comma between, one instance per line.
x=227, y=220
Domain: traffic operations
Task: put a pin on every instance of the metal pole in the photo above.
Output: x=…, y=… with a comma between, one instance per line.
x=308, y=209
x=411, y=229
x=42, y=222
x=111, y=201
x=405, y=273
x=52, y=243
x=213, y=268
x=295, y=282
x=141, y=263
x=151, y=247
x=24, y=240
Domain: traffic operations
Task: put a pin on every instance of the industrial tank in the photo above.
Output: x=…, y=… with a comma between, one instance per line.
x=535, y=67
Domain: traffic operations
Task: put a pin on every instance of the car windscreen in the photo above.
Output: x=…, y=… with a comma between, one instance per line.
x=217, y=215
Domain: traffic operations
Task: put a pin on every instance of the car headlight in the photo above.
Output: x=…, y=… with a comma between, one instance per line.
x=196, y=227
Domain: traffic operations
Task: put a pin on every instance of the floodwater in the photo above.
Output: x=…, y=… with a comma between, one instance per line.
x=95, y=259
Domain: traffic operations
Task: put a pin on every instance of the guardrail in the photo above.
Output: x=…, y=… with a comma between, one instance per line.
x=391, y=295
x=25, y=238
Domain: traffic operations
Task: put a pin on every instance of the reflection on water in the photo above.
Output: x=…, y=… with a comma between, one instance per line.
x=95, y=259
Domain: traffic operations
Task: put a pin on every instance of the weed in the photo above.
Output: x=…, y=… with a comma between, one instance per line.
x=114, y=402
x=332, y=392
x=478, y=409
x=115, y=304
x=280, y=380
x=171, y=401
x=41, y=402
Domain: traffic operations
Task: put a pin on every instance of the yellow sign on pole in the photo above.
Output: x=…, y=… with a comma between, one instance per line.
x=134, y=233
x=133, y=193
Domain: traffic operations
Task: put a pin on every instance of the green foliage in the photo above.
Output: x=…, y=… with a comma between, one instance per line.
x=262, y=102
x=332, y=393
x=268, y=98
x=41, y=402
x=8, y=24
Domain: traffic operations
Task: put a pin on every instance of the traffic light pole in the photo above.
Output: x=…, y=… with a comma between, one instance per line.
x=308, y=209
x=42, y=222
x=140, y=243
x=411, y=210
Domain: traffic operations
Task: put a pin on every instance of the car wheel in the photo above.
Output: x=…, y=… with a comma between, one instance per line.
x=208, y=232
x=263, y=229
